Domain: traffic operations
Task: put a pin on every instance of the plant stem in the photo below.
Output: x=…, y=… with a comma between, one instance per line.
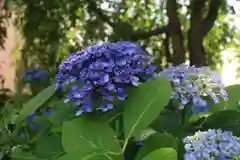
x=124, y=146
x=183, y=114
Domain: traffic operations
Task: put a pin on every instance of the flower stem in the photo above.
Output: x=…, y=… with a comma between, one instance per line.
x=183, y=116
x=124, y=146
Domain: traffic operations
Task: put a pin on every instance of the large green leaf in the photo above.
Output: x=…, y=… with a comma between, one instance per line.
x=167, y=122
x=157, y=140
x=49, y=146
x=144, y=105
x=88, y=136
x=36, y=102
x=163, y=154
x=42, y=126
x=91, y=156
x=226, y=120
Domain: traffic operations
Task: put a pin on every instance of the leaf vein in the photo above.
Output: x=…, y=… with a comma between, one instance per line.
x=140, y=117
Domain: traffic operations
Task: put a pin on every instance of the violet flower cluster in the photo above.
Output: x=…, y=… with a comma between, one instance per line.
x=212, y=145
x=191, y=84
x=34, y=74
x=102, y=73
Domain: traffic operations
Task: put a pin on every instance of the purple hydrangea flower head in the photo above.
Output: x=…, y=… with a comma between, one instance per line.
x=212, y=144
x=104, y=72
x=191, y=84
x=34, y=74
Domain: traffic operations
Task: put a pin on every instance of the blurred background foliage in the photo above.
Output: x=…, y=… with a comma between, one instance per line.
x=173, y=31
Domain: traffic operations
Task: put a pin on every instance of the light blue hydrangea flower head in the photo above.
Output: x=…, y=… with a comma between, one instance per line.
x=212, y=145
x=191, y=84
x=104, y=72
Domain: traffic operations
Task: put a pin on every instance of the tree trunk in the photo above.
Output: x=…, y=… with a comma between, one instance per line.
x=195, y=37
x=199, y=27
x=196, y=49
x=175, y=33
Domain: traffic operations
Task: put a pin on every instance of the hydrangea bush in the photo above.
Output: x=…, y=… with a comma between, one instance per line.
x=117, y=106
x=104, y=72
x=211, y=144
x=191, y=84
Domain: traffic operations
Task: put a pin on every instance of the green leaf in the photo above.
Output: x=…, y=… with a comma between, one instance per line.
x=163, y=154
x=36, y=102
x=167, y=122
x=157, y=140
x=62, y=112
x=19, y=154
x=43, y=126
x=4, y=137
x=88, y=136
x=195, y=117
x=144, y=134
x=233, y=96
x=144, y=105
x=44, y=150
x=181, y=150
x=91, y=156
x=8, y=114
x=226, y=120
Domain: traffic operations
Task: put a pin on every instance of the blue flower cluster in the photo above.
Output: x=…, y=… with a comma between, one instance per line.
x=190, y=84
x=211, y=145
x=34, y=74
x=103, y=71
